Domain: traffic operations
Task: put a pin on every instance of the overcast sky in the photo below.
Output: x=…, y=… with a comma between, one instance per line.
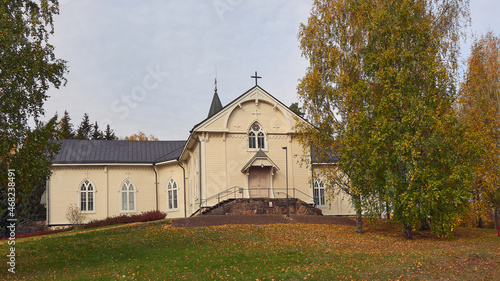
x=150, y=65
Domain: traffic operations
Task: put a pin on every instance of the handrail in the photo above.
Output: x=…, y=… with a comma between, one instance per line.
x=224, y=193
x=293, y=190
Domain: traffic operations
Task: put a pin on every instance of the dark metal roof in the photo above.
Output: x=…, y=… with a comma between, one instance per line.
x=259, y=155
x=216, y=105
x=117, y=151
x=331, y=157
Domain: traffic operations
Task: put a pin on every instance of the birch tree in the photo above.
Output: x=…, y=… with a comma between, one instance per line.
x=480, y=110
x=380, y=93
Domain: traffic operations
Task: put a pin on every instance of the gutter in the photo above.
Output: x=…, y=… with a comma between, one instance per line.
x=199, y=158
x=156, y=184
x=47, y=188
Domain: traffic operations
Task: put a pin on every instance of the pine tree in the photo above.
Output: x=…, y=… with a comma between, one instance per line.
x=96, y=133
x=84, y=129
x=109, y=134
x=65, y=127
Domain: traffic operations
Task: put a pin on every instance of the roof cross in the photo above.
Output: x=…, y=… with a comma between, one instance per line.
x=256, y=77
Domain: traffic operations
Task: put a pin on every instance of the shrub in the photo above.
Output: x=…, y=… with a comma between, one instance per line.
x=75, y=216
x=143, y=217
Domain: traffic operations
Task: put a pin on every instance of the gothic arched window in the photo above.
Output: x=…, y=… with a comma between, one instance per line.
x=172, y=194
x=256, y=137
x=87, y=192
x=319, y=193
x=128, y=196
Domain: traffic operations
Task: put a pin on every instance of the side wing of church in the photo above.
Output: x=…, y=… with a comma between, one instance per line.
x=245, y=149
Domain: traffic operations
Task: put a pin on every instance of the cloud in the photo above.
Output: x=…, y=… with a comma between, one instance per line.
x=111, y=44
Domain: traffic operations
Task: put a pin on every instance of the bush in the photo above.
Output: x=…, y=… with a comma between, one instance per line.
x=75, y=216
x=143, y=217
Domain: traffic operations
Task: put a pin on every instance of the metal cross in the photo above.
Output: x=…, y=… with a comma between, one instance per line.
x=256, y=77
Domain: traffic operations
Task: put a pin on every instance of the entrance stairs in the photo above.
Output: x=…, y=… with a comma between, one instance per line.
x=258, y=206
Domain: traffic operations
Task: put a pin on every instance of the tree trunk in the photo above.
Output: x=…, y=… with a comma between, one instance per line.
x=359, y=220
x=359, y=214
x=424, y=224
x=407, y=231
x=496, y=215
x=387, y=210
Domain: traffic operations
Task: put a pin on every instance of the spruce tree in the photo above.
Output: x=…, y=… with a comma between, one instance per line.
x=96, y=133
x=84, y=129
x=65, y=127
x=109, y=134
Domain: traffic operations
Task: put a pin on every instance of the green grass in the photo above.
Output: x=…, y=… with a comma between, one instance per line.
x=265, y=252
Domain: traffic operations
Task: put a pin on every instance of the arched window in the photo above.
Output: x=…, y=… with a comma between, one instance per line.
x=128, y=196
x=319, y=193
x=256, y=137
x=172, y=194
x=87, y=192
x=260, y=140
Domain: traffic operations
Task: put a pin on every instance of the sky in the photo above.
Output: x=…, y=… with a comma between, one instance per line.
x=150, y=65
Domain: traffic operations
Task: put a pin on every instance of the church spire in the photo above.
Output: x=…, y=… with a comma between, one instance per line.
x=216, y=105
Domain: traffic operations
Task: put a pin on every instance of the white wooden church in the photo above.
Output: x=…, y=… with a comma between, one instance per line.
x=239, y=150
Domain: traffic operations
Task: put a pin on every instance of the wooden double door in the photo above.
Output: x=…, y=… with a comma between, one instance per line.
x=259, y=182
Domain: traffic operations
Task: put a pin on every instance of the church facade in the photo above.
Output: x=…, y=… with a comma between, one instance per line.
x=245, y=149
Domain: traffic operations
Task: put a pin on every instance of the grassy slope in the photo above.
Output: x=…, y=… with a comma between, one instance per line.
x=289, y=252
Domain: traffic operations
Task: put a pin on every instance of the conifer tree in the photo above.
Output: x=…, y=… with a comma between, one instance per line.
x=65, y=127
x=96, y=133
x=84, y=129
x=109, y=134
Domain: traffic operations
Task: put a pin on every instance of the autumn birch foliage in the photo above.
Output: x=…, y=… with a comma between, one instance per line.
x=28, y=68
x=379, y=92
x=480, y=110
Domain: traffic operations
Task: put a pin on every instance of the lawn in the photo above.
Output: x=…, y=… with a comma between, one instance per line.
x=152, y=251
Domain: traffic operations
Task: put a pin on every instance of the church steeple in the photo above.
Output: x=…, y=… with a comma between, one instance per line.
x=216, y=105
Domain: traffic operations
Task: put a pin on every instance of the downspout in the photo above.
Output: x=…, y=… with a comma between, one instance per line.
x=184, y=179
x=313, y=177
x=199, y=160
x=47, y=187
x=156, y=184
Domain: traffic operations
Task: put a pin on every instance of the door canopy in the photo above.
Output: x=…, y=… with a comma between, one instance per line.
x=260, y=159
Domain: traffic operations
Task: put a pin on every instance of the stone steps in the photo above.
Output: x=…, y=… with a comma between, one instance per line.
x=258, y=206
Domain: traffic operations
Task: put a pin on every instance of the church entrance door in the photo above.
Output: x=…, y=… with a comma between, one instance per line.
x=258, y=181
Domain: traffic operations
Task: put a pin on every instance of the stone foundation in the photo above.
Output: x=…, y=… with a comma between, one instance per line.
x=261, y=206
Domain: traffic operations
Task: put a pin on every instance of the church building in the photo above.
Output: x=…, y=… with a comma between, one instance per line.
x=245, y=149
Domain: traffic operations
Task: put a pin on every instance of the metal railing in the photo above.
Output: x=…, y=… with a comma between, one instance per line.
x=224, y=195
